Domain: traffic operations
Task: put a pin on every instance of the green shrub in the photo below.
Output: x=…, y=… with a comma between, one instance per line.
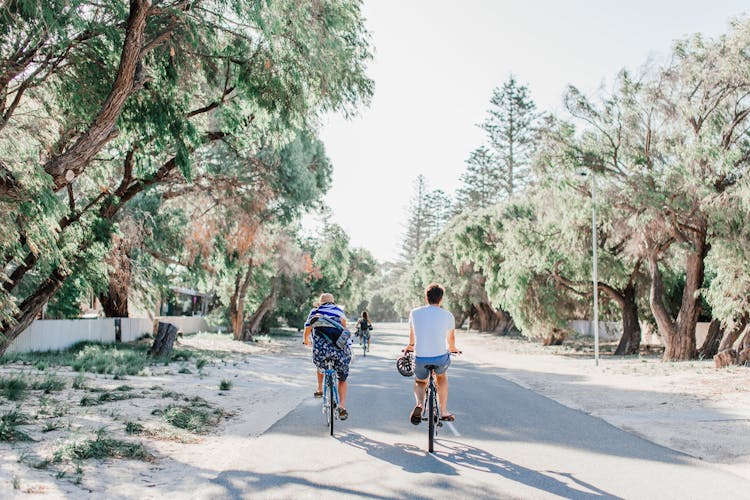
x=51, y=383
x=9, y=423
x=225, y=385
x=200, y=363
x=102, y=447
x=197, y=418
x=134, y=428
x=13, y=388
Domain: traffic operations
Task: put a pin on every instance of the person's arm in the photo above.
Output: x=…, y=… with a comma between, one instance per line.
x=452, y=341
x=306, y=340
x=412, y=339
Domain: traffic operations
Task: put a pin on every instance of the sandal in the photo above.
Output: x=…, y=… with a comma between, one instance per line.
x=416, y=415
x=448, y=418
x=318, y=394
x=343, y=414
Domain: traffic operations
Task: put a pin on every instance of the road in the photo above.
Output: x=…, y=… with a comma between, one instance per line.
x=507, y=442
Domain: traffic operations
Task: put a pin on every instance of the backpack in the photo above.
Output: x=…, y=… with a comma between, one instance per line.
x=331, y=330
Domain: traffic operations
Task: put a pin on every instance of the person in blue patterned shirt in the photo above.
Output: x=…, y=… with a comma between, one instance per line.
x=322, y=349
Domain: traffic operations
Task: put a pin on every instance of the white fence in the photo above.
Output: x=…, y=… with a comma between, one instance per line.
x=60, y=334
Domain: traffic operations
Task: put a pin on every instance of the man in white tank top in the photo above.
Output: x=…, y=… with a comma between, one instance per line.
x=432, y=337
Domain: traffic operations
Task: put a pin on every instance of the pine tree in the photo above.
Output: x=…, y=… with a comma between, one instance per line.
x=480, y=181
x=510, y=130
x=439, y=211
x=417, y=225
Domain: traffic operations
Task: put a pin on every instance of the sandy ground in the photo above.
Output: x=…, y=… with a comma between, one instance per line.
x=690, y=407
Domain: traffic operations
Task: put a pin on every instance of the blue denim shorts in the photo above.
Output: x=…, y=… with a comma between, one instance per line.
x=442, y=362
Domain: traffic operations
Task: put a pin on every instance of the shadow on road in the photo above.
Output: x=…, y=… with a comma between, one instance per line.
x=469, y=457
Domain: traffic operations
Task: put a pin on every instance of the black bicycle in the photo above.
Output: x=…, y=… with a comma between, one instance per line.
x=431, y=407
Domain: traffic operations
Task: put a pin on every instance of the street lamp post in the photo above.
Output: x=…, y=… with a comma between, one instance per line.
x=594, y=268
x=594, y=264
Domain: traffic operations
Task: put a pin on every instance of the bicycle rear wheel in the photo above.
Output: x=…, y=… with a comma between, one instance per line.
x=331, y=401
x=431, y=419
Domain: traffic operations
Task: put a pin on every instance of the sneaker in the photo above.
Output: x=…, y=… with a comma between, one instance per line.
x=318, y=394
x=343, y=414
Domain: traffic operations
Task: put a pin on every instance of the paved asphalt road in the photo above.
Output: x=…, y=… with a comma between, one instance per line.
x=508, y=443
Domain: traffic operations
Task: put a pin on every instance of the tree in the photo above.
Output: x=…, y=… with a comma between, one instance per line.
x=418, y=221
x=671, y=146
x=481, y=186
x=510, y=130
x=270, y=68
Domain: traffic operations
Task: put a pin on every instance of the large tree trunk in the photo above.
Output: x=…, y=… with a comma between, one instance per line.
x=115, y=299
x=237, y=300
x=679, y=335
x=66, y=167
x=266, y=306
x=630, y=342
x=30, y=308
x=485, y=318
x=710, y=346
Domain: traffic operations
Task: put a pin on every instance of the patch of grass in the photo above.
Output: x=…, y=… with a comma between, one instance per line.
x=51, y=383
x=41, y=365
x=123, y=388
x=80, y=381
x=200, y=363
x=52, y=425
x=13, y=388
x=106, y=397
x=225, y=385
x=9, y=423
x=118, y=360
x=184, y=369
x=134, y=428
x=102, y=447
x=195, y=418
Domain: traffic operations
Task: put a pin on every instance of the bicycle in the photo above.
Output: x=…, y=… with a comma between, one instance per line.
x=330, y=393
x=365, y=342
x=431, y=407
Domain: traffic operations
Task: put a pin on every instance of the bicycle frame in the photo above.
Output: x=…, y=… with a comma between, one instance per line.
x=330, y=394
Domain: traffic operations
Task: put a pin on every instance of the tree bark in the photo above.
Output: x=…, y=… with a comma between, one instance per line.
x=64, y=168
x=30, y=308
x=679, y=335
x=630, y=342
x=267, y=305
x=237, y=300
x=166, y=334
x=711, y=344
x=115, y=299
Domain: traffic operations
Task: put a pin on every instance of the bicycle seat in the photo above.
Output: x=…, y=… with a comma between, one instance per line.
x=431, y=367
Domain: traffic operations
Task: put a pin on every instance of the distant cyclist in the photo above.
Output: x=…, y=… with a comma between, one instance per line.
x=432, y=337
x=323, y=349
x=363, y=329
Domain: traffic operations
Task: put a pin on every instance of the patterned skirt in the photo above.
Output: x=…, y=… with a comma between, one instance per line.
x=322, y=350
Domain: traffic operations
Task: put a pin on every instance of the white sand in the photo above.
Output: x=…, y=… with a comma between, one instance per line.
x=690, y=407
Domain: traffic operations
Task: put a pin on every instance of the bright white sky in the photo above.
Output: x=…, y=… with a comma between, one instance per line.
x=436, y=63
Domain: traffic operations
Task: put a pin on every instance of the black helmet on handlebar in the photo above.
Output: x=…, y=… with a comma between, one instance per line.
x=405, y=364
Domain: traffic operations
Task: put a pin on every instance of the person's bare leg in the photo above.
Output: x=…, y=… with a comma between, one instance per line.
x=442, y=389
x=320, y=382
x=342, y=394
x=419, y=389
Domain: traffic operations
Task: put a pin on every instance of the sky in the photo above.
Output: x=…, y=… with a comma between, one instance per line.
x=435, y=66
